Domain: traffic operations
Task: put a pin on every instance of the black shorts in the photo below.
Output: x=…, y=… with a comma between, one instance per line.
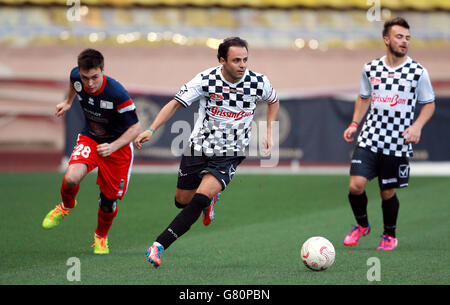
x=392, y=172
x=193, y=167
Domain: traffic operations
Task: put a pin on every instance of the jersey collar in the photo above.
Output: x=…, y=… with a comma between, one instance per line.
x=407, y=60
x=227, y=82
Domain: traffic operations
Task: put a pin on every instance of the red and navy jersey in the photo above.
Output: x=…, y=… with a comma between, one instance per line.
x=109, y=112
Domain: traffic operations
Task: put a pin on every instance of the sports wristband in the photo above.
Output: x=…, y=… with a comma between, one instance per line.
x=152, y=130
x=353, y=124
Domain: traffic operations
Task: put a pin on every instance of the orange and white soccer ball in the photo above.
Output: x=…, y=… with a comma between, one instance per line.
x=318, y=253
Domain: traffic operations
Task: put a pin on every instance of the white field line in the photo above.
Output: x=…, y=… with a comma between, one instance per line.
x=417, y=169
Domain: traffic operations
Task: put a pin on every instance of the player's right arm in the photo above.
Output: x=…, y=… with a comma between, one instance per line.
x=162, y=117
x=189, y=92
x=361, y=107
x=62, y=108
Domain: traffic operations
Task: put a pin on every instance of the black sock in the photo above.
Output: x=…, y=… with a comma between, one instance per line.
x=184, y=220
x=359, y=207
x=390, y=209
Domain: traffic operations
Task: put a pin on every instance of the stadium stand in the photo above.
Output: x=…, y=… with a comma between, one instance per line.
x=335, y=4
x=193, y=26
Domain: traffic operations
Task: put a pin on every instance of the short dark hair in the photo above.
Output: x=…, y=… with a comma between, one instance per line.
x=222, y=51
x=90, y=59
x=396, y=21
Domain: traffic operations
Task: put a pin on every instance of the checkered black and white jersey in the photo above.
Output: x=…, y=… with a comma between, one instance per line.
x=226, y=110
x=394, y=93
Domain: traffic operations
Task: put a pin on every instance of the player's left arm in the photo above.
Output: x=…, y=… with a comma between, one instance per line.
x=270, y=97
x=272, y=112
x=425, y=95
x=414, y=131
x=128, y=136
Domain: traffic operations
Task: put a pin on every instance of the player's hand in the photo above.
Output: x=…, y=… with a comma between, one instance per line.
x=412, y=134
x=105, y=149
x=267, y=145
x=62, y=108
x=142, y=138
x=349, y=134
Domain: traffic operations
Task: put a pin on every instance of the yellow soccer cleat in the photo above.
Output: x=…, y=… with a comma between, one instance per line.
x=55, y=216
x=100, y=245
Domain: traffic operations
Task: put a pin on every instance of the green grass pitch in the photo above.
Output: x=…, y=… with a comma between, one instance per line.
x=261, y=223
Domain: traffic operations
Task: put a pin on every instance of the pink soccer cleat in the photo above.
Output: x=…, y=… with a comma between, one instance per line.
x=209, y=213
x=154, y=254
x=355, y=234
x=387, y=243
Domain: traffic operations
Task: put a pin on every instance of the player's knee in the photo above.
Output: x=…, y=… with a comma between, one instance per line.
x=106, y=204
x=179, y=204
x=198, y=202
x=183, y=197
x=356, y=188
x=201, y=200
x=71, y=180
x=387, y=194
x=75, y=173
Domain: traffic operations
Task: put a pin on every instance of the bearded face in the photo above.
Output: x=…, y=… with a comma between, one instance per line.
x=397, y=41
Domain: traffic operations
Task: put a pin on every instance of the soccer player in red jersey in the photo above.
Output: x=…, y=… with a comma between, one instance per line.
x=111, y=124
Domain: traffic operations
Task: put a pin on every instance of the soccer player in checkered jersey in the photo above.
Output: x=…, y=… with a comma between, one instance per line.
x=227, y=96
x=111, y=124
x=390, y=88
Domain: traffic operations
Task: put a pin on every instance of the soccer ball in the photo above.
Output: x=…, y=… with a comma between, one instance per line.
x=317, y=253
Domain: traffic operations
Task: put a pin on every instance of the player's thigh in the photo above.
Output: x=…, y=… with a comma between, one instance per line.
x=394, y=173
x=220, y=170
x=82, y=160
x=184, y=196
x=189, y=176
x=363, y=168
x=114, y=173
x=209, y=186
x=75, y=173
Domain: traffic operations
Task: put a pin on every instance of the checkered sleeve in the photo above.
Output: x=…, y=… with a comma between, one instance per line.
x=190, y=92
x=269, y=95
x=364, y=88
x=425, y=93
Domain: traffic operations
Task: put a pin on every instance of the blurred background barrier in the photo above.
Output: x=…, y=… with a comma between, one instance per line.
x=310, y=131
x=311, y=50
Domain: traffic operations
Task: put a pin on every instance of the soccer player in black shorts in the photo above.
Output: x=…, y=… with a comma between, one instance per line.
x=227, y=96
x=390, y=86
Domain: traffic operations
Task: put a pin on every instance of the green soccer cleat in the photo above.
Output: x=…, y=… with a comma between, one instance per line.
x=100, y=245
x=55, y=216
